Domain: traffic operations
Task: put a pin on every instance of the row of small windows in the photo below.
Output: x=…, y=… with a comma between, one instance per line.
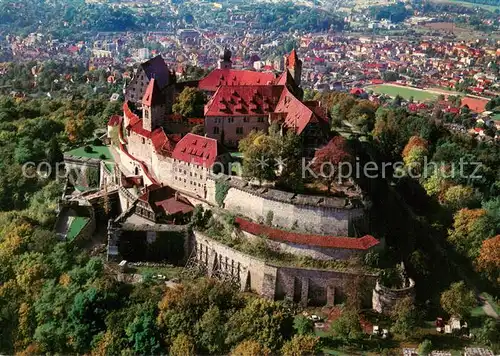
x=190, y=182
x=230, y=120
x=239, y=130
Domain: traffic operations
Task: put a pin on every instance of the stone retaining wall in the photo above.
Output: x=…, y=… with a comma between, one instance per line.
x=308, y=286
x=310, y=214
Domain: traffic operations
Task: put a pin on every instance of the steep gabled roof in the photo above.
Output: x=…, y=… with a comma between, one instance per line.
x=244, y=100
x=157, y=68
x=292, y=60
x=199, y=150
x=295, y=114
x=219, y=77
x=147, y=99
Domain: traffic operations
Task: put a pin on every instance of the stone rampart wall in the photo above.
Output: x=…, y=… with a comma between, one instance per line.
x=306, y=218
x=308, y=286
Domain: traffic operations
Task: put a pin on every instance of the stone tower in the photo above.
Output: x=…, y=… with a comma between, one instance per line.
x=153, y=107
x=225, y=59
x=294, y=65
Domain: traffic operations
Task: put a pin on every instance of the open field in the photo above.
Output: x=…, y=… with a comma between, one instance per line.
x=491, y=8
x=405, y=92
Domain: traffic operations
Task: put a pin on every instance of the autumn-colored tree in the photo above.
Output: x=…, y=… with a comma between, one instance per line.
x=250, y=348
x=470, y=228
x=488, y=260
x=459, y=196
x=183, y=345
x=301, y=345
x=414, y=152
x=329, y=160
x=190, y=103
x=458, y=300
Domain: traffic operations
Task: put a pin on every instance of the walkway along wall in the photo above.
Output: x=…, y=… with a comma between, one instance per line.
x=307, y=286
x=312, y=214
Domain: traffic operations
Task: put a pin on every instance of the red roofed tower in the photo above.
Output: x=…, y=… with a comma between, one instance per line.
x=153, y=107
x=294, y=65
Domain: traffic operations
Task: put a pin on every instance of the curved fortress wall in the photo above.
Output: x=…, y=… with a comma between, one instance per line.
x=384, y=299
x=329, y=216
x=307, y=286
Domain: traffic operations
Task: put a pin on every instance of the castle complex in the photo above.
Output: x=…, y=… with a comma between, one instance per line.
x=163, y=170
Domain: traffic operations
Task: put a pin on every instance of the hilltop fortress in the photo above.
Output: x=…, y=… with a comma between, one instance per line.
x=163, y=170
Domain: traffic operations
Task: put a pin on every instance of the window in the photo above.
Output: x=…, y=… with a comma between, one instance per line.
x=239, y=130
x=260, y=119
x=143, y=141
x=216, y=130
x=246, y=119
x=230, y=120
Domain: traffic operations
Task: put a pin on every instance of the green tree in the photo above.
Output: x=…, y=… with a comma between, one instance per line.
x=405, y=317
x=260, y=152
x=267, y=322
x=209, y=331
x=290, y=152
x=347, y=326
x=190, y=103
x=143, y=333
x=458, y=300
x=425, y=348
x=303, y=325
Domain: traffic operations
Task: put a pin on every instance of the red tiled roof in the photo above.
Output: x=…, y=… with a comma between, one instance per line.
x=115, y=120
x=477, y=105
x=295, y=114
x=357, y=91
x=292, y=59
x=244, y=100
x=133, y=118
x=219, y=77
x=147, y=99
x=351, y=243
x=175, y=205
x=199, y=150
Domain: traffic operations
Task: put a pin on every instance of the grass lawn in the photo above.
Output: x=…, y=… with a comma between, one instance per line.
x=236, y=154
x=496, y=117
x=76, y=226
x=96, y=153
x=404, y=92
x=169, y=272
x=491, y=8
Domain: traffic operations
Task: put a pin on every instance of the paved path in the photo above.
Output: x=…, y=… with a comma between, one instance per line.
x=488, y=309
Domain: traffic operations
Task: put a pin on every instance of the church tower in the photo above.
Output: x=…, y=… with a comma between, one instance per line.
x=225, y=59
x=294, y=65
